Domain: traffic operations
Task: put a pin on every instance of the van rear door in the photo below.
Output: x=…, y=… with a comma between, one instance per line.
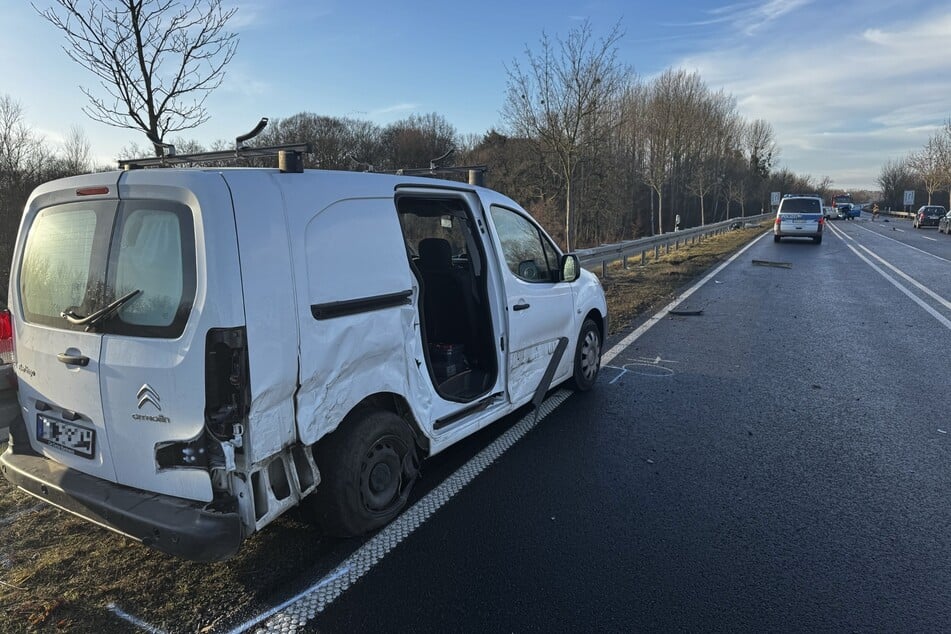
x=104, y=394
x=58, y=361
x=174, y=241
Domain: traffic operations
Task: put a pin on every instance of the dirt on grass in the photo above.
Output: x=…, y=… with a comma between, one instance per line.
x=59, y=573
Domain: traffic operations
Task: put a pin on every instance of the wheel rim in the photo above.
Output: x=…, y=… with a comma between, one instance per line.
x=381, y=480
x=590, y=355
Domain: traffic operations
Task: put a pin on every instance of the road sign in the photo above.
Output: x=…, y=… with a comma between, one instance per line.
x=774, y=199
x=909, y=197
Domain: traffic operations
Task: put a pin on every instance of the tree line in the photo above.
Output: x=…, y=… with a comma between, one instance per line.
x=926, y=171
x=594, y=152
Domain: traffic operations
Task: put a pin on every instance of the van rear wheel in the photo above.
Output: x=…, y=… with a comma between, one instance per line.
x=368, y=468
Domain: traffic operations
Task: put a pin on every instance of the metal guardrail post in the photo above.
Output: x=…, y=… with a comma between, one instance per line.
x=644, y=257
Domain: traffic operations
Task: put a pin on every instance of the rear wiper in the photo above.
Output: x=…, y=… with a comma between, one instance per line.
x=94, y=318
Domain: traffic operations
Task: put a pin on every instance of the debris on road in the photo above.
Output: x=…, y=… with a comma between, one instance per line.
x=686, y=313
x=941, y=431
x=780, y=265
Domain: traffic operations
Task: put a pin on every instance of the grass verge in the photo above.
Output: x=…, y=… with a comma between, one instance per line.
x=59, y=573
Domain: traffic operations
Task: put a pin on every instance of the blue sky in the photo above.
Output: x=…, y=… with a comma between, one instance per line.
x=846, y=84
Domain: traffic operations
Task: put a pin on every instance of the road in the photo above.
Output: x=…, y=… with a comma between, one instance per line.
x=779, y=462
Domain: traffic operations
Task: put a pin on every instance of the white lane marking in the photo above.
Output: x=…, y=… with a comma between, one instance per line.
x=619, y=347
x=139, y=623
x=900, y=230
x=876, y=233
x=932, y=239
x=296, y=612
x=944, y=321
x=924, y=289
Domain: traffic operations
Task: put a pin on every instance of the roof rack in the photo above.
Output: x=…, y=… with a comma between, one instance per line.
x=476, y=173
x=289, y=155
x=171, y=160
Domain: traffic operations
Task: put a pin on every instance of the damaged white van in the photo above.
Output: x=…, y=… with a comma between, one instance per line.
x=200, y=349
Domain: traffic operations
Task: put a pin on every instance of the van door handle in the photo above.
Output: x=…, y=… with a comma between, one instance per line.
x=73, y=359
x=520, y=306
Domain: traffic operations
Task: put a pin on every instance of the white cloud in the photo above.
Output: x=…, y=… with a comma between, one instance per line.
x=839, y=89
x=394, y=109
x=750, y=17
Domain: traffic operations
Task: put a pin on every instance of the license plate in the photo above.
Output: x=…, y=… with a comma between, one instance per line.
x=68, y=437
x=798, y=221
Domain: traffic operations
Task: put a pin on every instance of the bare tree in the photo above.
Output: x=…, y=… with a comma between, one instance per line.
x=565, y=91
x=659, y=118
x=717, y=123
x=896, y=177
x=928, y=165
x=157, y=60
x=76, y=151
x=760, y=148
x=943, y=142
x=416, y=141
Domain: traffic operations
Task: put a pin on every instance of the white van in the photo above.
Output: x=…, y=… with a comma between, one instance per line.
x=199, y=350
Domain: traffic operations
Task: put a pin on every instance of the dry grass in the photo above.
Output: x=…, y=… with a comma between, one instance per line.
x=639, y=289
x=59, y=573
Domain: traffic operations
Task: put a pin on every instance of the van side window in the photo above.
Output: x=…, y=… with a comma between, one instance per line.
x=529, y=254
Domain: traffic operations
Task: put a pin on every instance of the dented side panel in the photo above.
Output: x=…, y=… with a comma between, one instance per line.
x=268, y=275
x=359, y=331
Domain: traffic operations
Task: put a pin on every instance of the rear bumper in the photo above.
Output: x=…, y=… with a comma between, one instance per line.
x=797, y=233
x=176, y=526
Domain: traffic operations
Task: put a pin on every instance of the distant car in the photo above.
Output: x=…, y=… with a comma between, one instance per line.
x=944, y=225
x=844, y=212
x=928, y=216
x=799, y=217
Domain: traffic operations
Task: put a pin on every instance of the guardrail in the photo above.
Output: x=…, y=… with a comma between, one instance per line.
x=609, y=253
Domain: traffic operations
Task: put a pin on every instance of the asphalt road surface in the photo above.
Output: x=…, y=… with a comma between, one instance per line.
x=781, y=461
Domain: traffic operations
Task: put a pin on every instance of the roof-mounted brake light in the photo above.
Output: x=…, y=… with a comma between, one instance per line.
x=92, y=191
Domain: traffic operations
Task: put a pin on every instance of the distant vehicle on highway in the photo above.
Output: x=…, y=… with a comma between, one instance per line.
x=944, y=225
x=928, y=216
x=799, y=216
x=845, y=207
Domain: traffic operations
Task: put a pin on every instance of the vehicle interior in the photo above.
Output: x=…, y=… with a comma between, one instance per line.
x=449, y=263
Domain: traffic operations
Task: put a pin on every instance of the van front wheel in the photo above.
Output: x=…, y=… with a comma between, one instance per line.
x=587, y=356
x=368, y=467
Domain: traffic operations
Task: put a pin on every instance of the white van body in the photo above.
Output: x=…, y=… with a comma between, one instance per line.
x=254, y=313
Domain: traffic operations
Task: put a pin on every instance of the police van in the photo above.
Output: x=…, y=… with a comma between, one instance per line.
x=200, y=349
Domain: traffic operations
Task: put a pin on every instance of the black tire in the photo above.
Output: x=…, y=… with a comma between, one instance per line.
x=587, y=356
x=817, y=239
x=368, y=467
x=775, y=238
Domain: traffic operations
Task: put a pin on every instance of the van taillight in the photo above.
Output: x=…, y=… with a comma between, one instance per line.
x=227, y=381
x=6, y=336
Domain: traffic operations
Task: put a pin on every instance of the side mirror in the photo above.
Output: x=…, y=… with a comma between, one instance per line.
x=570, y=267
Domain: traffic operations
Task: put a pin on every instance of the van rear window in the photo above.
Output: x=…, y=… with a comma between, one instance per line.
x=801, y=206
x=58, y=258
x=79, y=257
